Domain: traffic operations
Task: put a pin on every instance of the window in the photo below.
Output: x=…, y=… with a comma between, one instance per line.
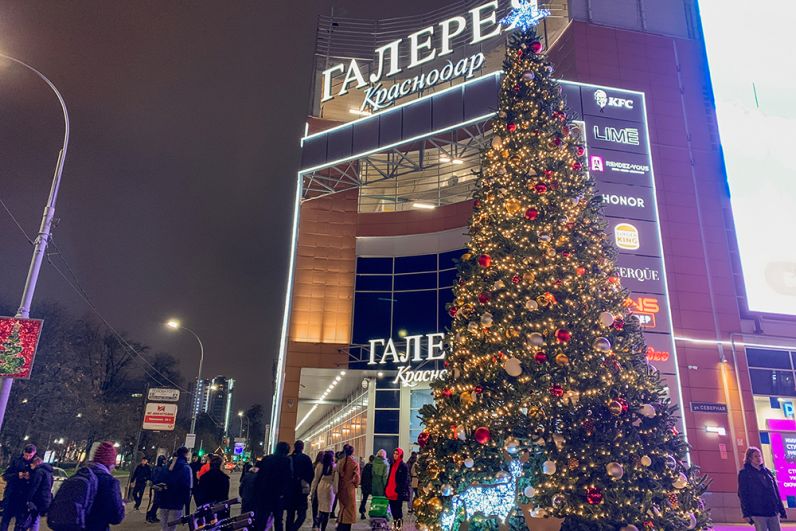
x=769, y=359
x=417, y=399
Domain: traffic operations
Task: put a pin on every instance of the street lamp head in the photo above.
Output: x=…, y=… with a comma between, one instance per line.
x=240, y=413
x=174, y=324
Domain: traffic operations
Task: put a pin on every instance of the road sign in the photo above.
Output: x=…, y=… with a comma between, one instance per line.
x=163, y=395
x=190, y=440
x=161, y=417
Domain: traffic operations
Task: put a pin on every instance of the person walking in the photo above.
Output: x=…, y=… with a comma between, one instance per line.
x=413, y=480
x=398, y=487
x=314, y=491
x=17, y=479
x=156, y=490
x=349, y=477
x=195, y=464
x=366, y=486
x=141, y=475
x=300, y=489
x=380, y=473
x=214, y=485
x=107, y=508
x=761, y=503
x=178, y=490
x=246, y=490
x=39, y=495
x=271, y=488
x=324, y=484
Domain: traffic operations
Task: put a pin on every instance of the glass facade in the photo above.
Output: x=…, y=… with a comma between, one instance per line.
x=346, y=425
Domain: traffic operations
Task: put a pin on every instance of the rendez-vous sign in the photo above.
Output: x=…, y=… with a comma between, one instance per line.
x=407, y=376
x=482, y=24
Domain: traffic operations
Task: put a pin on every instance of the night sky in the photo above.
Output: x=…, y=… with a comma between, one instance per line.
x=179, y=179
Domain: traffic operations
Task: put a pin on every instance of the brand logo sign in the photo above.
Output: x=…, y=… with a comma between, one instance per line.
x=660, y=352
x=650, y=311
x=622, y=201
x=160, y=416
x=613, y=103
x=608, y=133
x=640, y=274
x=626, y=135
x=603, y=100
x=421, y=47
x=626, y=236
x=383, y=352
x=617, y=167
x=635, y=237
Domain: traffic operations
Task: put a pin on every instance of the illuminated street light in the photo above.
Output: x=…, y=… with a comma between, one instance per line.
x=175, y=324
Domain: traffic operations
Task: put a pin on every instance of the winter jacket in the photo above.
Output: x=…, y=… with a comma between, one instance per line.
x=16, y=487
x=348, y=470
x=246, y=490
x=178, y=485
x=398, y=484
x=758, y=492
x=142, y=474
x=213, y=487
x=41, y=486
x=159, y=474
x=379, y=475
x=367, y=479
x=325, y=487
x=108, y=507
x=302, y=472
x=270, y=485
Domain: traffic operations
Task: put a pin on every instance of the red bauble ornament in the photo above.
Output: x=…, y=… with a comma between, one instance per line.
x=485, y=260
x=511, y=127
x=483, y=298
x=482, y=435
x=477, y=203
x=577, y=166
x=557, y=391
x=516, y=88
x=623, y=403
x=447, y=392
x=540, y=357
x=452, y=311
x=580, y=271
x=548, y=173
x=478, y=389
x=531, y=214
x=423, y=438
x=563, y=335
x=515, y=279
x=613, y=280
x=580, y=151
x=540, y=188
x=566, y=254
x=594, y=496
x=519, y=53
x=556, y=141
x=618, y=324
x=536, y=46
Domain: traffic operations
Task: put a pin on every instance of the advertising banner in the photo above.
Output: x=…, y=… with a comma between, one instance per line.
x=19, y=339
x=160, y=417
x=616, y=104
x=783, y=450
x=619, y=167
x=634, y=237
x=623, y=201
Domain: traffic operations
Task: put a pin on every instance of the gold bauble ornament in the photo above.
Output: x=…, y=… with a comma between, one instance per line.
x=418, y=502
x=466, y=398
x=561, y=359
x=466, y=256
x=528, y=276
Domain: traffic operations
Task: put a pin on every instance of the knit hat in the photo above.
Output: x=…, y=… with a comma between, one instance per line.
x=105, y=454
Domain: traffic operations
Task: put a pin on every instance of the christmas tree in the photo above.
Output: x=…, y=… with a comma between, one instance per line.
x=11, y=358
x=549, y=407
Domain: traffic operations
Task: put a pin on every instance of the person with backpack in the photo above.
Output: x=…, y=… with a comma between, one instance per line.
x=91, y=500
x=17, y=478
x=158, y=480
x=39, y=495
x=214, y=485
x=141, y=475
x=300, y=489
x=178, y=489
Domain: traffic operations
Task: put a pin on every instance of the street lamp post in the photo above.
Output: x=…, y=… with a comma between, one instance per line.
x=45, y=229
x=240, y=415
x=176, y=325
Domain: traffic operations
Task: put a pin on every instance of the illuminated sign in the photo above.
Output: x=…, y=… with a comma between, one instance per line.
x=603, y=100
x=641, y=274
x=618, y=167
x=783, y=450
x=651, y=312
x=608, y=133
x=424, y=46
x=628, y=202
x=626, y=236
x=634, y=237
x=750, y=114
x=626, y=135
x=413, y=353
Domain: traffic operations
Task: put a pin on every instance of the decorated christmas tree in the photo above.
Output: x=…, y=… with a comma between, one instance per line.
x=11, y=358
x=550, y=408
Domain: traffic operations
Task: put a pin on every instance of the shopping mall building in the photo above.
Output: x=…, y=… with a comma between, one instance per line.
x=400, y=110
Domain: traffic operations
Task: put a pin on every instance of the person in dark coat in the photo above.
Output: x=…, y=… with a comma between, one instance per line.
x=300, y=489
x=398, y=486
x=108, y=506
x=366, y=485
x=17, y=478
x=246, y=490
x=271, y=488
x=39, y=494
x=155, y=492
x=214, y=485
x=141, y=475
x=196, y=464
x=178, y=489
x=761, y=503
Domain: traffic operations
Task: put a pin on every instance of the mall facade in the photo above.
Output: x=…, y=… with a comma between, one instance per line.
x=400, y=110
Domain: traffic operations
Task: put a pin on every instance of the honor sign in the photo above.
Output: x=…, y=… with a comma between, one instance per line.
x=428, y=44
x=383, y=352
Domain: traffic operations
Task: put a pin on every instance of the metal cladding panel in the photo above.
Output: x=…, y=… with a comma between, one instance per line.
x=313, y=151
x=481, y=97
x=366, y=135
x=339, y=143
x=447, y=109
x=390, y=127
x=417, y=119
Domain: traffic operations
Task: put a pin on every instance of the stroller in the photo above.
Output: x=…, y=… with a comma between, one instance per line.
x=379, y=514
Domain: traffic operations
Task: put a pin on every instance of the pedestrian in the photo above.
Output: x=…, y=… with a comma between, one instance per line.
x=246, y=490
x=380, y=474
x=204, y=468
x=107, y=509
x=271, y=488
x=178, y=490
x=367, y=486
x=300, y=489
x=324, y=484
x=214, y=485
x=141, y=475
x=17, y=478
x=413, y=480
x=196, y=464
x=156, y=491
x=314, y=490
x=761, y=503
x=39, y=495
x=348, y=470
x=398, y=487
